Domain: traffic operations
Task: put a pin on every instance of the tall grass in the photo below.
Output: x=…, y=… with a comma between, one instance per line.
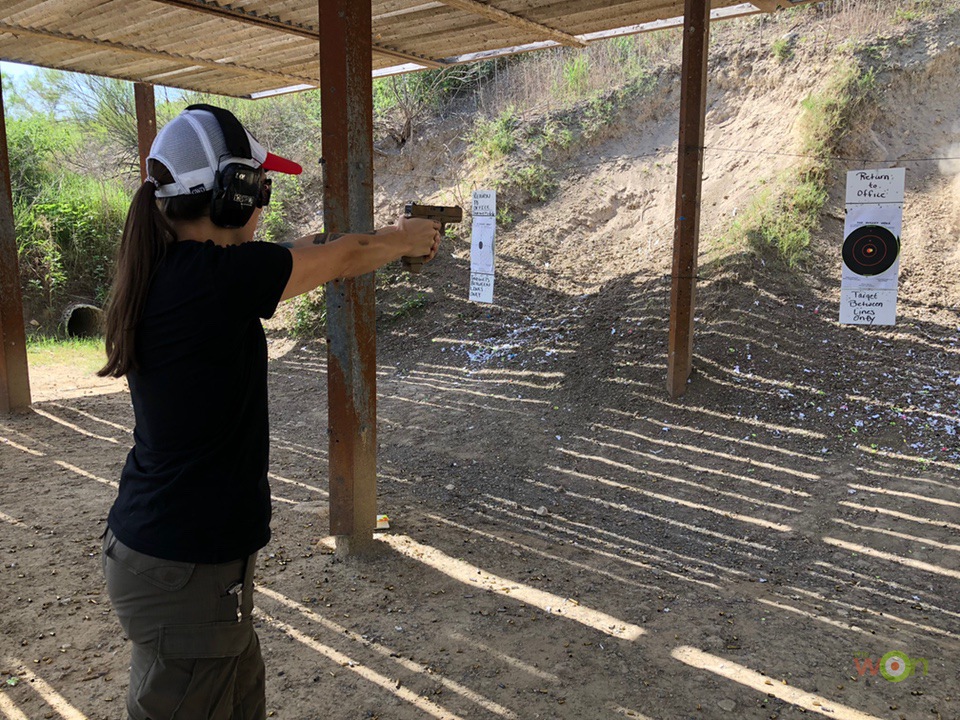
x=557, y=80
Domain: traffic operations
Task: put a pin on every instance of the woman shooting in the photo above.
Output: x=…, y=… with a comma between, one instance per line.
x=183, y=325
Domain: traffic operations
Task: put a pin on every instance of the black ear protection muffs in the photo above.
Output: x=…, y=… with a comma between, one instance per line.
x=239, y=189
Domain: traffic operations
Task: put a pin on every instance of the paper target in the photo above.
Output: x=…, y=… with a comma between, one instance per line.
x=895, y=666
x=870, y=250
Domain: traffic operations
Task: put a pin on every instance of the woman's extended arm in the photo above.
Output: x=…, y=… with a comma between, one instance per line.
x=320, y=258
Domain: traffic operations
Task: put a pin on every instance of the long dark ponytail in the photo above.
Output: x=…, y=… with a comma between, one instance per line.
x=143, y=244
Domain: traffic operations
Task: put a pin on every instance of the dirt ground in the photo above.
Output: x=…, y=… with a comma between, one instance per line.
x=565, y=540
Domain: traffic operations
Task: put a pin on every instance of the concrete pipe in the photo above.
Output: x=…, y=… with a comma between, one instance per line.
x=82, y=320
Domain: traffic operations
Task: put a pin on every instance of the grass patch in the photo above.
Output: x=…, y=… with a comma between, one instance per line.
x=87, y=354
x=782, y=50
x=410, y=305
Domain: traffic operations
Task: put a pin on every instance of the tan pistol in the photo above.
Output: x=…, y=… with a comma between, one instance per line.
x=437, y=213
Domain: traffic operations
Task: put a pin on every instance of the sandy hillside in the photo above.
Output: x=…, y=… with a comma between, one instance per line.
x=566, y=541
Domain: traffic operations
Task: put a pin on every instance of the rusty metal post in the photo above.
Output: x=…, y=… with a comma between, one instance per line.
x=146, y=123
x=693, y=104
x=14, y=374
x=346, y=98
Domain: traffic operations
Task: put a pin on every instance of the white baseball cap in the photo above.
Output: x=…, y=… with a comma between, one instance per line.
x=193, y=147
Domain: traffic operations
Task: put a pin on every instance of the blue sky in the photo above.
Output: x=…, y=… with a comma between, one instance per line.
x=15, y=69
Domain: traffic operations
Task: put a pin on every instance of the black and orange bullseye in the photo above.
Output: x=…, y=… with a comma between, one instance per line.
x=870, y=250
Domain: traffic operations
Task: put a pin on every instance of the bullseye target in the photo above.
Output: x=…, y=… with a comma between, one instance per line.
x=895, y=666
x=870, y=250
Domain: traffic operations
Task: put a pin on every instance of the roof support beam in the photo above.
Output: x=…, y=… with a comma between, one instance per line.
x=346, y=103
x=503, y=17
x=147, y=53
x=769, y=6
x=146, y=123
x=693, y=105
x=275, y=23
x=14, y=374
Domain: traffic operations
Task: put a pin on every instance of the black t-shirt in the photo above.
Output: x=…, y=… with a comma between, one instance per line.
x=194, y=487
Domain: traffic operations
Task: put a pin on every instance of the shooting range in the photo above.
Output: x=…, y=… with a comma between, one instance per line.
x=709, y=484
x=340, y=33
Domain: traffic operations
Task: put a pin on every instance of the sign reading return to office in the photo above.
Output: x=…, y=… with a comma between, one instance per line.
x=482, y=245
x=871, y=247
x=876, y=186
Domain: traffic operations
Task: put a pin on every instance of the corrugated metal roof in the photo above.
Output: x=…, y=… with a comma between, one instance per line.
x=252, y=48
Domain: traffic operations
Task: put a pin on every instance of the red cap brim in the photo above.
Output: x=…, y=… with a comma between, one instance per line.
x=276, y=163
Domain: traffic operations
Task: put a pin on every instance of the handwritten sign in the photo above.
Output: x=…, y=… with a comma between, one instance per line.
x=868, y=307
x=483, y=246
x=485, y=203
x=481, y=287
x=875, y=186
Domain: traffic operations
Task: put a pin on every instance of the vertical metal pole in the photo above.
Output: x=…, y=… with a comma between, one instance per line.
x=693, y=104
x=14, y=374
x=146, y=123
x=346, y=98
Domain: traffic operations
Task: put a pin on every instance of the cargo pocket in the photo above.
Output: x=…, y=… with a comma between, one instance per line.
x=192, y=672
x=169, y=575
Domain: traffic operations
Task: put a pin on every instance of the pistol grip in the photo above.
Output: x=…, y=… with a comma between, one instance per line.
x=413, y=264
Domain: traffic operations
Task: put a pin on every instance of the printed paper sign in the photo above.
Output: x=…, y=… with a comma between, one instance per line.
x=868, y=307
x=482, y=246
x=871, y=247
x=888, y=216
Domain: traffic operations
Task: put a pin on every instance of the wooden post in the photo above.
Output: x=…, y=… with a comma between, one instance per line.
x=146, y=123
x=346, y=99
x=693, y=104
x=14, y=374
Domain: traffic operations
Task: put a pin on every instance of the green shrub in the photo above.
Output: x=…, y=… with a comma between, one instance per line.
x=68, y=235
x=36, y=146
x=310, y=314
x=785, y=223
x=400, y=102
x=552, y=135
x=496, y=138
x=535, y=181
x=599, y=113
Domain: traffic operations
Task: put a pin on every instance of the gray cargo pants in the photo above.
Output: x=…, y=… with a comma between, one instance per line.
x=195, y=653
